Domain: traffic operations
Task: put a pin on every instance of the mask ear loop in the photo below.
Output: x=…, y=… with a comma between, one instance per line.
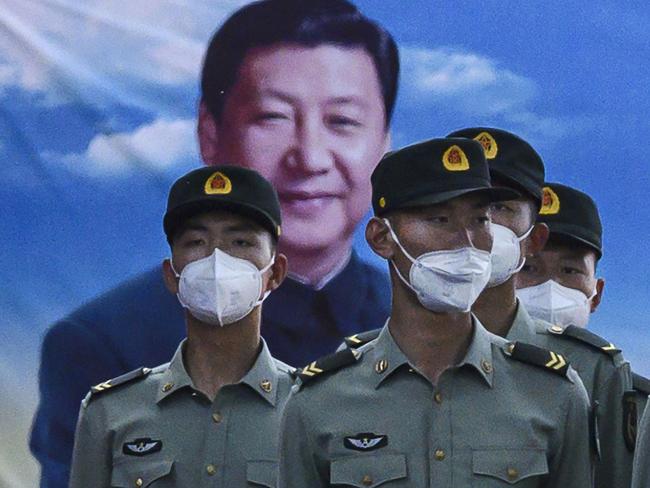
x=171, y=263
x=267, y=292
x=404, y=280
x=523, y=261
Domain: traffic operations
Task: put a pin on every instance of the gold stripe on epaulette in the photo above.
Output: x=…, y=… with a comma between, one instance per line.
x=610, y=347
x=354, y=339
x=557, y=361
x=311, y=369
x=102, y=386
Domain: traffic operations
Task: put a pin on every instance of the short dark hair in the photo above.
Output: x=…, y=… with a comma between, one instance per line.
x=304, y=22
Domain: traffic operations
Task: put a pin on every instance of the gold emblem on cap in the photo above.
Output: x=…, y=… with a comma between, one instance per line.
x=454, y=159
x=218, y=184
x=382, y=202
x=550, y=202
x=489, y=144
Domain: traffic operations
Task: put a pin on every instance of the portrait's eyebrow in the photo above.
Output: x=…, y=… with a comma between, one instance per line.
x=347, y=100
x=274, y=93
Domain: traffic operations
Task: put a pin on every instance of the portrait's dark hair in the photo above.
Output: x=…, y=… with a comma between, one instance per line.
x=304, y=22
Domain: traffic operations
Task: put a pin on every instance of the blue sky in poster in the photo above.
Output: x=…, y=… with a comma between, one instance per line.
x=97, y=104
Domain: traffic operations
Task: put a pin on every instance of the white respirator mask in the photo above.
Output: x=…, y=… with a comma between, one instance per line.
x=446, y=281
x=506, y=254
x=557, y=304
x=221, y=289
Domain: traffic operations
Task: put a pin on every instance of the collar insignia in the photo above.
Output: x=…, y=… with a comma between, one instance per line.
x=141, y=447
x=218, y=184
x=366, y=441
x=550, y=202
x=489, y=144
x=454, y=159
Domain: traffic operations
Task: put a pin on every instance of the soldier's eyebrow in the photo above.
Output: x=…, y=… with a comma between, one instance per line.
x=242, y=227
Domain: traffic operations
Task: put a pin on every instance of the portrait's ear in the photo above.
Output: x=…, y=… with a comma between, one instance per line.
x=208, y=135
x=379, y=238
x=169, y=277
x=598, y=297
x=537, y=239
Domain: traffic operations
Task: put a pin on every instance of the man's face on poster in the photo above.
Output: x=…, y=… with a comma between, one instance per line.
x=312, y=121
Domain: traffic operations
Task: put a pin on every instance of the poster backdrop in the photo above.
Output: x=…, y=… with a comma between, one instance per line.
x=97, y=106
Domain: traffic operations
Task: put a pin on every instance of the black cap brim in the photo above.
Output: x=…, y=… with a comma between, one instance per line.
x=569, y=232
x=174, y=219
x=493, y=194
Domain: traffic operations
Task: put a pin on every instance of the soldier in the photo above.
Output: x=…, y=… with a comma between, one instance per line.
x=436, y=400
x=212, y=414
x=641, y=474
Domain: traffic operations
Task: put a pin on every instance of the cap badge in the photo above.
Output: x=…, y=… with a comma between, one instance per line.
x=489, y=144
x=218, y=184
x=550, y=202
x=382, y=202
x=454, y=159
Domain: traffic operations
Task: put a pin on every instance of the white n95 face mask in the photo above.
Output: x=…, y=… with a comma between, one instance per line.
x=221, y=289
x=506, y=254
x=557, y=304
x=446, y=281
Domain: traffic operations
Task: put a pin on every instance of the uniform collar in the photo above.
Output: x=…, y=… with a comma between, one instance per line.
x=262, y=377
x=523, y=326
x=478, y=356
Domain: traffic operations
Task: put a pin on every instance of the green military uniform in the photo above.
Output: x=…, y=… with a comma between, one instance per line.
x=641, y=473
x=156, y=429
x=490, y=421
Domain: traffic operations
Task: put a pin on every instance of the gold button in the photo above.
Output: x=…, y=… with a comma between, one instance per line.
x=557, y=329
x=211, y=469
x=487, y=366
x=138, y=482
x=216, y=417
x=366, y=480
x=512, y=474
x=381, y=366
x=266, y=386
x=167, y=386
x=440, y=454
x=438, y=397
x=510, y=347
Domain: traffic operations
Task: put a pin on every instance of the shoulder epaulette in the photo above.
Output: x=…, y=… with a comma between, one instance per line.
x=641, y=384
x=327, y=364
x=587, y=337
x=538, y=356
x=358, y=340
x=120, y=380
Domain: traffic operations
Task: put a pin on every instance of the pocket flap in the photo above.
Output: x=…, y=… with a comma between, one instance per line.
x=509, y=465
x=263, y=473
x=367, y=471
x=126, y=474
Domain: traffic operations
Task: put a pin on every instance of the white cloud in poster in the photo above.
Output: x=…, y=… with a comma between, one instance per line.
x=156, y=146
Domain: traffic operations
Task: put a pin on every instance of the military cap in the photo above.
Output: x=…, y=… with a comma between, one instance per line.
x=510, y=158
x=227, y=187
x=430, y=172
x=572, y=214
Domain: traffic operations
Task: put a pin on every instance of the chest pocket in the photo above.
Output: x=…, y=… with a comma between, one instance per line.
x=367, y=471
x=262, y=473
x=509, y=466
x=139, y=473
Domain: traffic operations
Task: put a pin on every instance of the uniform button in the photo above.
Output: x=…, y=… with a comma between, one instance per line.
x=557, y=329
x=440, y=454
x=487, y=366
x=216, y=417
x=139, y=482
x=167, y=386
x=211, y=469
x=366, y=480
x=512, y=474
x=438, y=397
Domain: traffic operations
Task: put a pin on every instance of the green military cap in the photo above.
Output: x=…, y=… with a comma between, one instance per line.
x=228, y=187
x=510, y=158
x=572, y=214
x=432, y=171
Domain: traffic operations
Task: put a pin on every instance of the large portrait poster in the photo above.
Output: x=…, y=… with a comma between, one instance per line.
x=98, y=117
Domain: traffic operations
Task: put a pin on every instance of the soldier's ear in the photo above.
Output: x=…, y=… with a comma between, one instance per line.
x=169, y=276
x=208, y=134
x=598, y=297
x=379, y=238
x=537, y=239
x=278, y=272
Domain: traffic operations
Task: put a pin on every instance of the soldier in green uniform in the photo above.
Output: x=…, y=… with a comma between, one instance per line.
x=641, y=473
x=211, y=415
x=436, y=400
